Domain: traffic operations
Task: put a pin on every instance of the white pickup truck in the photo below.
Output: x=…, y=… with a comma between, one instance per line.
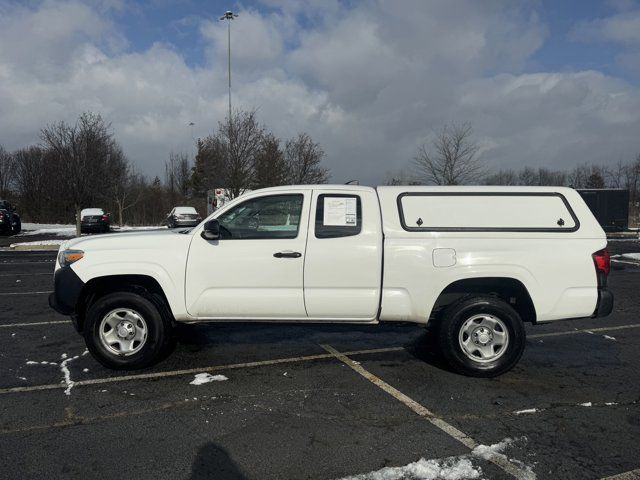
x=474, y=263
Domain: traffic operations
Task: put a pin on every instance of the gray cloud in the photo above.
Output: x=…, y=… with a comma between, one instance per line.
x=370, y=82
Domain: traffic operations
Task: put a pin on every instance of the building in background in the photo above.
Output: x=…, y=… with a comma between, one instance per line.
x=610, y=206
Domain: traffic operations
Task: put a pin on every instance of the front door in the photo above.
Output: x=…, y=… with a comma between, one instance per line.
x=256, y=268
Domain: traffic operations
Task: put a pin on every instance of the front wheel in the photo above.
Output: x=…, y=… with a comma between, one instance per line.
x=128, y=331
x=481, y=336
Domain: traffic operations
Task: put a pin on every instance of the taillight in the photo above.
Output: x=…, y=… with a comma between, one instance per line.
x=105, y=218
x=602, y=262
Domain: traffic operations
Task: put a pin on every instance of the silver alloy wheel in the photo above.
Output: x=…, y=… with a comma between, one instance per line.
x=123, y=331
x=484, y=338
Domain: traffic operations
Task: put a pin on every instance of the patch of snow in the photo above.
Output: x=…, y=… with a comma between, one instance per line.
x=126, y=228
x=450, y=468
x=453, y=468
x=527, y=410
x=47, y=229
x=63, y=368
x=85, y=370
x=589, y=332
x=37, y=242
x=90, y=211
x=609, y=338
x=488, y=451
x=586, y=404
x=608, y=404
x=201, y=378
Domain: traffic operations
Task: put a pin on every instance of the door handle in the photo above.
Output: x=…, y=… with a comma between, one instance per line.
x=287, y=254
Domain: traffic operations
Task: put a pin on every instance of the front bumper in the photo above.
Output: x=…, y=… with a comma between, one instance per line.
x=605, y=303
x=66, y=291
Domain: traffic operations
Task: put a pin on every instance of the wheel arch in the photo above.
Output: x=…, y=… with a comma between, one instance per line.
x=509, y=289
x=97, y=287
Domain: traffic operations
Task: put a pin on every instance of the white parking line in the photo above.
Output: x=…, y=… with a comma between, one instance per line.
x=34, y=324
x=25, y=274
x=25, y=293
x=190, y=371
x=630, y=475
x=49, y=262
x=498, y=460
x=585, y=330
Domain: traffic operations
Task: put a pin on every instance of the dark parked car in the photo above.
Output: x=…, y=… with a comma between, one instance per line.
x=182, y=217
x=94, y=220
x=10, y=223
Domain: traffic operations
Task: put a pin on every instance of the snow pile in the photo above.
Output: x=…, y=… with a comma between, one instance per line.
x=488, y=451
x=38, y=242
x=59, y=230
x=48, y=229
x=453, y=468
x=450, y=468
x=127, y=228
x=626, y=258
x=609, y=338
x=202, y=378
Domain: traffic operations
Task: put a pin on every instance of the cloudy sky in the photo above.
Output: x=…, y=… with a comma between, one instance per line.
x=543, y=83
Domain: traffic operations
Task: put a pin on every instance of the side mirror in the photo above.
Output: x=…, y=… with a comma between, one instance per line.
x=211, y=230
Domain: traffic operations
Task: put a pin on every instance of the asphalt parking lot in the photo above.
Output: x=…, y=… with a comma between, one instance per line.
x=314, y=401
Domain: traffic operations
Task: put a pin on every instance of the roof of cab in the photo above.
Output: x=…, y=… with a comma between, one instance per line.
x=349, y=188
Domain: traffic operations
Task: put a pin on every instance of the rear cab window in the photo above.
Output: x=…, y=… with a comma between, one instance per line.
x=338, y=215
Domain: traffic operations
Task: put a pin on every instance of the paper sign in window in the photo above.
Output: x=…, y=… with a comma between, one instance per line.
x=339, y=211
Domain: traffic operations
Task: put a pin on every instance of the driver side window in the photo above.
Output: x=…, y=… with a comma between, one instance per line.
x=275, y=216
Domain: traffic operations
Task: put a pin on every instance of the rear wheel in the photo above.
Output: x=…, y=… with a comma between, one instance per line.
x=481, y=336
x=127, y=331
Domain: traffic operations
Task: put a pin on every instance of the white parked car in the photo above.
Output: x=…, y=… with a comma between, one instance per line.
x=473, y=262
x=182, y=217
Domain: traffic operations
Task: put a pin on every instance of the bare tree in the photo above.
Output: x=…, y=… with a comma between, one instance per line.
x=270, y=166
x=32, y=178
x=588, y=176
x=400, y=177
x=451, y=159
x=243, y=136
x=502, y=177
x=303, y=157
x=210, y=166
x=82, y=151
x=6, y=167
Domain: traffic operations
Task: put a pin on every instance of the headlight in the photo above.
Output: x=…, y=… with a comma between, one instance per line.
x=67, y=257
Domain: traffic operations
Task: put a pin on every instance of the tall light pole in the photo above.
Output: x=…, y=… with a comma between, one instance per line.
x=229, y=15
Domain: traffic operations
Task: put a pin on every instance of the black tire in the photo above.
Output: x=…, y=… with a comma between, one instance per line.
x=449, y=336
x=160, y=340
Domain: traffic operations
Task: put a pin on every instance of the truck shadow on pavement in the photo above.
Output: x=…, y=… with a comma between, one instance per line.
x=417, y=342
x=214, y=462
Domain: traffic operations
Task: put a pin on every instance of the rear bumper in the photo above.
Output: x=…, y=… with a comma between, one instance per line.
x=66, y=291
x=94, y=227
x=186, y=223
x=605, y=303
